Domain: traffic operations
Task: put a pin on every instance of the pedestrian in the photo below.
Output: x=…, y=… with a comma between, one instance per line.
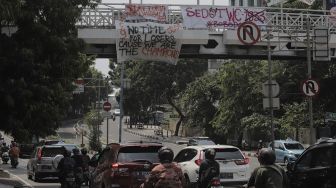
x=209, y=169
x=167, y=174
x=14, y=153
x=268, y=174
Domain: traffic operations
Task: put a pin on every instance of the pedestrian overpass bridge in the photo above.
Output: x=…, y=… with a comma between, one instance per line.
x=287, y=31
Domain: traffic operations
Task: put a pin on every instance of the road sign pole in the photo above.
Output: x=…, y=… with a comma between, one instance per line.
x=121, y=98
x=270, y=83
x=310, y=100
x=107, y=131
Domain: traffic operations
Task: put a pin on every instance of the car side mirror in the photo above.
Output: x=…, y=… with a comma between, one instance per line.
x=290, y=166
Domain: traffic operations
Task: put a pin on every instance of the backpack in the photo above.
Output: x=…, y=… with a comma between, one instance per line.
x=168, y=177
x=68, y=165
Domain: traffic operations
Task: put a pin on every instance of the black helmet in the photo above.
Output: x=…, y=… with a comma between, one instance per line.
x=210, y=154
x=66, y=153
x=266, y=156
x=75, y=151
x=166, y=155
x=84, y=151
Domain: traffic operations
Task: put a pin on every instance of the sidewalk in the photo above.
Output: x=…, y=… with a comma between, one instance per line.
x=9, y=180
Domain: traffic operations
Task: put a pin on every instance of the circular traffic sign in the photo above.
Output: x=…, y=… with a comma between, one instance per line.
x=310, y=87
x=107, y=106
x=273, y=85
x=248, y=33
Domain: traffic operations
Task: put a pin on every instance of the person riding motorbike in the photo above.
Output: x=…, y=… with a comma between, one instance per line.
x=66, y=168
x=167, y=174
x=78, y=166
x=86, y=160
x=4, y=153
x=14, y=154
x=208, y=170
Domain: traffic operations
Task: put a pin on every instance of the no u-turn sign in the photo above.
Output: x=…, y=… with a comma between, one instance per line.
x=310, y=87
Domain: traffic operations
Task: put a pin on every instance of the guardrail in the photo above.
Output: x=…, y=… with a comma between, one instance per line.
x=282, y=20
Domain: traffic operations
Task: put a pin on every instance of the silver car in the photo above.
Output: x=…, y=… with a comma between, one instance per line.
x=44, y=161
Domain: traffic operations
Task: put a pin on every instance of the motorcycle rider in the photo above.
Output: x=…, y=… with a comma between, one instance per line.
x=78, y=166
x=209, y=169
x=14, y=154
x=66, y=168
x=4, y=153
x=86, y=160
x=167, y=174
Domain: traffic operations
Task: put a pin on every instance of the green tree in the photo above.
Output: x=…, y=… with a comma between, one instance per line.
x=38, y=64
x=155, y=82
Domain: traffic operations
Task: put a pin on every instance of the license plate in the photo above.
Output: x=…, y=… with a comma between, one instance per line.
x=46, y=167
x=141, y=173
x=70, y=179
x=226, y=175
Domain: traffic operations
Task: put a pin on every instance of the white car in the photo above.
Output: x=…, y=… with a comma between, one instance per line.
x=234, y=166
x=116, y=112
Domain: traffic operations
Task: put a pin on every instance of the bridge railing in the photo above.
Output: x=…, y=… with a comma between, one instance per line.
x=281, y=20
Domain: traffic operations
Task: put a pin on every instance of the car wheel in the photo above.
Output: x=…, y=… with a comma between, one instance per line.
x=35, y=177
x=187, y=181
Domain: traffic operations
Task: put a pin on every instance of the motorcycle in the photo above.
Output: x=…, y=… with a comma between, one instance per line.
x=5, y=157
x=215, y=183
x=14, y=162
x=69, y=181
x=79, y=179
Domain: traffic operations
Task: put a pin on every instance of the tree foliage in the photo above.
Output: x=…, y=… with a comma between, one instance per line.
x=39, y=62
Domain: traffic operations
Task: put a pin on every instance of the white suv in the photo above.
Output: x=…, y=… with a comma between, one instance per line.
x=234, y=166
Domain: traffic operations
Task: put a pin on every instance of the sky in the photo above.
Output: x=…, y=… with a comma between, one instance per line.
x=102, y=64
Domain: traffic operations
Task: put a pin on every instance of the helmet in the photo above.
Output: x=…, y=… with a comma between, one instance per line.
x=210, y=154
x=75, y=151
x=166, y=155
x=66, y=153
x=266, y=156
x=84, y=151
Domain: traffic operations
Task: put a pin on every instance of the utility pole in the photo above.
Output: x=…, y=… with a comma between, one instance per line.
x=310, y=100
x=270, y=97
x=121, y=98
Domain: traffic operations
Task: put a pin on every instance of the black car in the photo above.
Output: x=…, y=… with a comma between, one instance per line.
x=315, y=168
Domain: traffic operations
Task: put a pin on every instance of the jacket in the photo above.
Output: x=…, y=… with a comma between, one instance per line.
x=207, y=171
x=269, y=176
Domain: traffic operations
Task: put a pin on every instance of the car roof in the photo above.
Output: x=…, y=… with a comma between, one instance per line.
x=200, y=137
x=51, y=146
x=286, y=141
x=136, y=143
x=202, y=147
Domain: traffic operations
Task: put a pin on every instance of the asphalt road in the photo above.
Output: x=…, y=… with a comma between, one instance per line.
x=68, y=134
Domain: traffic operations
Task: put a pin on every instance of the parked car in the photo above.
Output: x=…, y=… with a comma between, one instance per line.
x=202, y=140
x=234, y=166
x=124, y=165
x=42, y=162
x=26, y=150
x=315, y=168
x=116, y=112
x=287, y=150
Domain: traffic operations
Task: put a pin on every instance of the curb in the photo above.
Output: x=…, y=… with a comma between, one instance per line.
x=12, y=180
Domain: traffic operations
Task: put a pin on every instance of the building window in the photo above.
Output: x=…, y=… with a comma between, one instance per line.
x=250, y=3
x=241, y=3
x=233, y=2
x=259, y=3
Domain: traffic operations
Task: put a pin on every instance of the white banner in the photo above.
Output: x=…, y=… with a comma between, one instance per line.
x=146, y=12
x=149, y=41
x=213, y=17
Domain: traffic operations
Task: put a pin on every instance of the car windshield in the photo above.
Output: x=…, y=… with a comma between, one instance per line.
x=293, y=146
x=68, y=147
x=206, y=142
x=52, y=152
x=139, y=153
x=228, y=154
